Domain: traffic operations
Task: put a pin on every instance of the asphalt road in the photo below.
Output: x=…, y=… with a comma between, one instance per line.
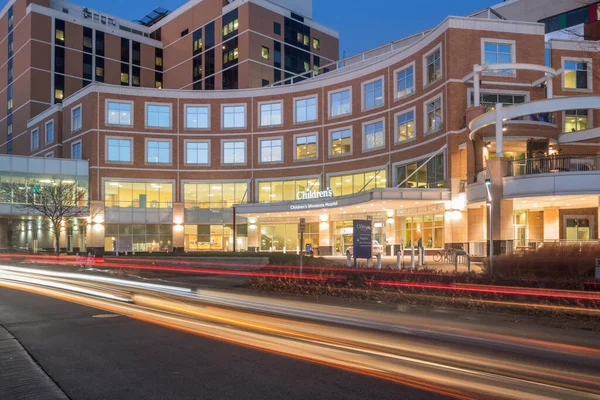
x=91, y=354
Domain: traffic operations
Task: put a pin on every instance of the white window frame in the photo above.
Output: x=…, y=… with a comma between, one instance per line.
x=223, y=141
x=436, y=48
x=296, y=99
x=73, y=145
x=78, y=106
x=46, y=131
x=364, y=135
x=331, y=93
x=396, y=72
x=37, y=147
x=330, y=141
x=223, y=106
x=186, y=142
x=49, y=154
x=395, y=125
x=590, y=120
x=590, y=76
x=426, y=130
x=299, y=135
x=148, y=140
x=185, y=108
x=263, y=103
x=513, y=56
x=497, y=91
x=132, y=113
x=264, y=139
x=362, y=93
x=149, y=103
x=106, y=159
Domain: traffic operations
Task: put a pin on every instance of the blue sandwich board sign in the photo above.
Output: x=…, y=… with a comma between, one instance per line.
x=363, y=239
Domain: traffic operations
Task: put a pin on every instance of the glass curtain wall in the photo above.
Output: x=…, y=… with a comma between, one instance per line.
x=215, y=195
x=427, y=230
x=429, y=176
x=275, y=191
x=343, y=185
x=138, y=194
x=138, y=237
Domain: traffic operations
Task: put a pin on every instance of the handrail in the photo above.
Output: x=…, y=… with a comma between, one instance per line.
x=554, y=164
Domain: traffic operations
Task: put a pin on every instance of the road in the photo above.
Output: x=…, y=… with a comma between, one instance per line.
x=183, y=343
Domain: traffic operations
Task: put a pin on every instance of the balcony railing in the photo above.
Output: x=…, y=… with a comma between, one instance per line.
x=553, y=164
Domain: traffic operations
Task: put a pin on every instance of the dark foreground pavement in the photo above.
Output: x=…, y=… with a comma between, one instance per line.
x=52, y=349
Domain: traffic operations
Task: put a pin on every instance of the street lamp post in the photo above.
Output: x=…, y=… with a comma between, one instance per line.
x=488, y=186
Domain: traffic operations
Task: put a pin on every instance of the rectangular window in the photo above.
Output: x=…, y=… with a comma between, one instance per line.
x=158, y=116
x=306, y=147
x=49, y=132
x=277, y=28
x=429, y=176
x=497, y=53
x=87, y=39
x=276, y=191
x=212, y=195
x=119, y=150
x=118, y=113
x=270, y=114
x=374, y=136
x=234, y=152
x=234, y=116
x=433, y=67
x=433, y=112
x=140, y=195
x=197, y=117
x=197, y=153
x=576, y=120
x=99, y=69
x=341, y=142
x=158, y=152
x=264, y=52
x=343, y=185
x=59, y=31
x=306, y=109
x=76, y=119
x=316, y=44
x=271, y=150
x=405, y=126
x=340, y=103
x=124, y=74
x=76, y=151
x=373, y=94
x=136, y=53
x=576, y=75
x=9, y=98
x=405, y=82
x=99, y=43
x=197, y=37
x=35, y=139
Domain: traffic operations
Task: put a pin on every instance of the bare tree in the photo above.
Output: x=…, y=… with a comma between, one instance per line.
x=56, y=202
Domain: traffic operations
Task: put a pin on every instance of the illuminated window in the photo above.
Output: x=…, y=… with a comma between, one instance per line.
x=118, y=113
x=306, y=147
x=215, y=194
x=306, y=110
x=373, y=94
x=316, y=44
x=433, y=114
x=427, y=230
x=271, y=150
x=99, y=71
x=341, y=142
x=340, y=103
x=405, y=82
x=233, y=152
x=577, y=74
x=158, y=116
x=373, y=136
x=138, y=194
x=276, y=191
x=431, y=175
x=405, y=126
x=158, y=84
x=196, y=117
x=124, y=77
x=158, y=151
x=270, y=114
x=234, y=116
x=264, y=52
x=306, y=66
x=58, y=94
x=197, y=152
x=343, y=185
x=60, y=35
x=433, y=67
x=159, y=61
x=576, y=120
x=35, y=139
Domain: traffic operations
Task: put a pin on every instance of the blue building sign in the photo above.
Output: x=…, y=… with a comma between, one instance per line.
x=363, y=239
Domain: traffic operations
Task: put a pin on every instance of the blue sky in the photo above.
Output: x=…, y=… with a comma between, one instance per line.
x=362, y=25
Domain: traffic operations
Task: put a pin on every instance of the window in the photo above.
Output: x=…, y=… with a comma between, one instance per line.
x=264, y=52
x=433, y=115
x=428, y=229
x=343, y=185
x=197, y=153
x=374, y=136
x=275, y=191
x=76, y=151
x=501, y=52
x=118, y=113
x=35, y=139
x=277, y=28
x=49, y=132
x=405, y=82
x=158, y=151
x=270, y=114
x=139, y=195
x=124, y=78
x=197, y=117
x=158, y=116
x=316, y=44
x=271, y=150
x=197, y=38
x=49, y=155
x=214, y=195
x=341, y=142
x=577, y=74
x=373, y=94
x=306, y=147
x=234, y=116
x=306, y=110
x=340, y=103
x=59, y=31
x=119, y=150
x=76, y=119
x=576, y=120
x=489, y=100
x=405, y=126
x=428, y=176
x=234, y=152
x=433, y=66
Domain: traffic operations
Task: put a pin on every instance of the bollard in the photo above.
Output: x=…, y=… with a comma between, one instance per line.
x=370, y=263
x=398, y=260
x=348, y=260
x=378, y=260
x=412, y=258
x=419, y=257
x=455, y=263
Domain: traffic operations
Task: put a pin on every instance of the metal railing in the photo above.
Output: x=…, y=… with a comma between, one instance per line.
x=554, y=164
